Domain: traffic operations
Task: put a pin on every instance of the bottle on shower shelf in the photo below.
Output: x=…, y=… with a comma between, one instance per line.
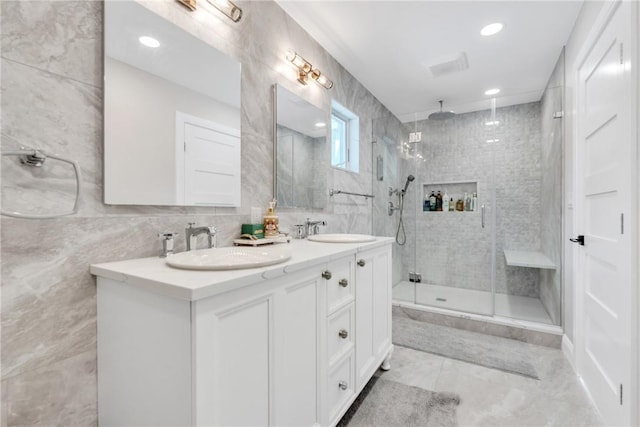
x=445, y=202
x=439, y=202
x=474, y=202
x=467, y=202
x=452, y=205
x=426, y=206
x=432, y=201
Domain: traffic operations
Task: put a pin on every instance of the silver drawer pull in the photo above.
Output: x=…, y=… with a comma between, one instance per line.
x=343, y=334
x=342, y=385
x=343, y=282
x=326, y=274
x=361, y=262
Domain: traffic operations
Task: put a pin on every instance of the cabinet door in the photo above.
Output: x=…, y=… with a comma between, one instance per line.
x=232, y=351
x=295, y=398
x=373, y=311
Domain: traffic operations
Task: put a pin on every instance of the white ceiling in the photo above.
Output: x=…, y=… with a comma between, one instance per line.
x=387, y=46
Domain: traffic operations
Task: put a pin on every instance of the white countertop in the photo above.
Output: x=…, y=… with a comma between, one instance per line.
x=154, y=275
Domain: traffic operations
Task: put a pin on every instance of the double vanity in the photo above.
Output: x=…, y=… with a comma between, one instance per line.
x=291, y=343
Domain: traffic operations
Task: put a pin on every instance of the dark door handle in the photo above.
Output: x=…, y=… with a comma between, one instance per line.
x=579, y=240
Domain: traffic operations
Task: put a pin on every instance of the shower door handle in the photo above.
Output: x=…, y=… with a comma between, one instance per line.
x=482, y=215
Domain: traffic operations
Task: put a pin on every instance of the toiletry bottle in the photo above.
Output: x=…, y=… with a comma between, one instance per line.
x=452, y=205
x=427, y=205
x=271, y=221
x=467, y=201
x=474, y=202
x=460, y=205
x=445, y=202
x=439, y=202
x=432, y=201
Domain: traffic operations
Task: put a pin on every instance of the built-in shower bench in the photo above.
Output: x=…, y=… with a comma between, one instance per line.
x=531, y=259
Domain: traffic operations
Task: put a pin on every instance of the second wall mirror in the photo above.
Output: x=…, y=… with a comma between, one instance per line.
x=301, y=152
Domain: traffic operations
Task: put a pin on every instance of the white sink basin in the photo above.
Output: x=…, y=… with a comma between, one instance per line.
x=341, y=238
x=231, y=258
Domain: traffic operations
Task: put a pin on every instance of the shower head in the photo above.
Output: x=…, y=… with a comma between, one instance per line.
x=441, y=115
x=406, y=184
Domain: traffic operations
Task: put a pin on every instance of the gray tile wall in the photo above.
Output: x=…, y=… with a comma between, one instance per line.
x=52, y=98
x=452, y=248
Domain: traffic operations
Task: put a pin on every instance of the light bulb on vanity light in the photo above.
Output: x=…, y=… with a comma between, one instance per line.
x=298, y=61
x=321, y=79
x=227, y=7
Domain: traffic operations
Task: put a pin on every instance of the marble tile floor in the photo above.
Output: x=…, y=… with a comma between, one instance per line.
x=490, y=397
x=472, y=301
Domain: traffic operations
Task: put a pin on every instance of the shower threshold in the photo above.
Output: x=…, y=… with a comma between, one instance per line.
x=469, y=303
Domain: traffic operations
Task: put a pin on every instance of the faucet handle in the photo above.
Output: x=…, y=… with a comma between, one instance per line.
x=167, y=243
x=299, y=231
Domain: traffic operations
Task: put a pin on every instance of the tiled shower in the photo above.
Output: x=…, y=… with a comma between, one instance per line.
x=511, y=157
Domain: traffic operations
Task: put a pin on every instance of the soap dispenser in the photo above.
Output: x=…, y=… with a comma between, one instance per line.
x=271, y=221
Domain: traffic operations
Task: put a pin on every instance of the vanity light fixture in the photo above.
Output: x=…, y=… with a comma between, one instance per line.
x=304, y=66
x=305, y=70
x=230, y=9
x=189, y=4
x=490, y=92
x=321, y=79
x=227, y=7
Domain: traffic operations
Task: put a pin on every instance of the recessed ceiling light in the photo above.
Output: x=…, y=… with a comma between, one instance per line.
x=491, y=29
x=149, y=41
x=320, y=124
x=492, y=91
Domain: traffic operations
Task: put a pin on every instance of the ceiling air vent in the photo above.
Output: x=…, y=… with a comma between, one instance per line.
x=448, y=65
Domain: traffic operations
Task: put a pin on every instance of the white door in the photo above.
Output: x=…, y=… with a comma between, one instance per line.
x=606, y=196
x=211, y=167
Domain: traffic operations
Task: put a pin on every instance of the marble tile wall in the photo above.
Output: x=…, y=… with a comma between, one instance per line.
x=452, y=249
x=389, y=135
x=51, y=53
x=301, y=169
x=551, y=190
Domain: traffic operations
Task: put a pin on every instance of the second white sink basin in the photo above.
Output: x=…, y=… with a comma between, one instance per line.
x=230, y=258
x=341, y=238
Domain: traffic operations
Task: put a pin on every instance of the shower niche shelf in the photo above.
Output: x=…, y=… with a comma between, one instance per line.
x=454, y=189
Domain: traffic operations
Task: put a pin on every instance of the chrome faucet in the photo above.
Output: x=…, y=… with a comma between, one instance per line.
x=313, y=227
x=192, y=231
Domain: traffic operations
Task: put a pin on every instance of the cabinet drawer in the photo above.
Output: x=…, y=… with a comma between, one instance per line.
x=340, y=287
x=341, y=387
x=341, y=332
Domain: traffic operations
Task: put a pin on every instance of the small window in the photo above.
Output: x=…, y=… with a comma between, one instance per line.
x=345, y=128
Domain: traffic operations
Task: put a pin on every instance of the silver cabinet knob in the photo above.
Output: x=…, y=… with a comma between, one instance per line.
x=342, y=385
x=362, y=262
x=343, y=334
x=326, y=274
x=343, y=282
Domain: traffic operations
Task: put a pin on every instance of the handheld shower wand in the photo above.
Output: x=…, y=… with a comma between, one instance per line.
x=410, y=178
x=401, y=235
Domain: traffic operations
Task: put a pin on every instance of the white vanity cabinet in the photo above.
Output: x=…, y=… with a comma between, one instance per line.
x=292, y=345
x=373, y=312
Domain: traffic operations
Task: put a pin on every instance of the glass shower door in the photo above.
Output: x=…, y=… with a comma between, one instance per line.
x=454, y=242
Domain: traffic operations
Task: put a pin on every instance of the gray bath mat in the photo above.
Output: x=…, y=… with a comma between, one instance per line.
x=391, y=404
x=485, y=350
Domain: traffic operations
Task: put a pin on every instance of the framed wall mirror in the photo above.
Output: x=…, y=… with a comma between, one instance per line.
x=171, y=114
x=301, y=152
